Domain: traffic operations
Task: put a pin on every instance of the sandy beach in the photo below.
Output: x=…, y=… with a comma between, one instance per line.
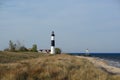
x=102, y=64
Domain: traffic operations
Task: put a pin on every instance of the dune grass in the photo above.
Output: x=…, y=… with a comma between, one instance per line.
x=9, y=57
x=51, y=67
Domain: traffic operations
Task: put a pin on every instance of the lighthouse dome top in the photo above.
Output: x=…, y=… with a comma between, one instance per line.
x=53, y=33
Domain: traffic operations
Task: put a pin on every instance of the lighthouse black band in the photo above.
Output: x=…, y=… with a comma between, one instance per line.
x=53, y=35
x=52, y=43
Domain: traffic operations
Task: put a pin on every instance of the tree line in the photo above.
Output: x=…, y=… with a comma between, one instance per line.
x=18, y=47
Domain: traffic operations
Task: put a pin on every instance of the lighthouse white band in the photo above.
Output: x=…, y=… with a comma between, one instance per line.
x=52, y=38
x=52, y=50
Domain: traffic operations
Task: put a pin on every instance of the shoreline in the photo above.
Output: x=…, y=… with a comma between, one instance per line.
x=113, y=63
x=103, y=64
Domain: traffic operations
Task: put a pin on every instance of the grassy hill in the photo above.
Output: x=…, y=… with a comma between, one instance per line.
x=36, y=66
x=10, y=57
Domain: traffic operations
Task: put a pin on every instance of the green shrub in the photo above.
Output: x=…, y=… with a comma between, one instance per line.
x=58, y=51
x=34, y=48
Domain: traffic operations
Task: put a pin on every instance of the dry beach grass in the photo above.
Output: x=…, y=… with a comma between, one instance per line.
x=51, y=67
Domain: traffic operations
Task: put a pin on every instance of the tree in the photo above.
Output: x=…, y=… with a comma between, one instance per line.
x=12, y=46
x=58, y=51
x=23, y=48
x=34, y=48
x=16, y=47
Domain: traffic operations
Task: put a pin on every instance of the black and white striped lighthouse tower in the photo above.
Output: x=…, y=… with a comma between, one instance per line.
x=52, y=43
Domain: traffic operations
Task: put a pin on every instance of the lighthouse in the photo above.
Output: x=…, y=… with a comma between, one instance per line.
x=87, y=52
x=52, y=43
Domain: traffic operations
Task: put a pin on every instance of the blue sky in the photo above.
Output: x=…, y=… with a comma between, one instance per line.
x=78, y=24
